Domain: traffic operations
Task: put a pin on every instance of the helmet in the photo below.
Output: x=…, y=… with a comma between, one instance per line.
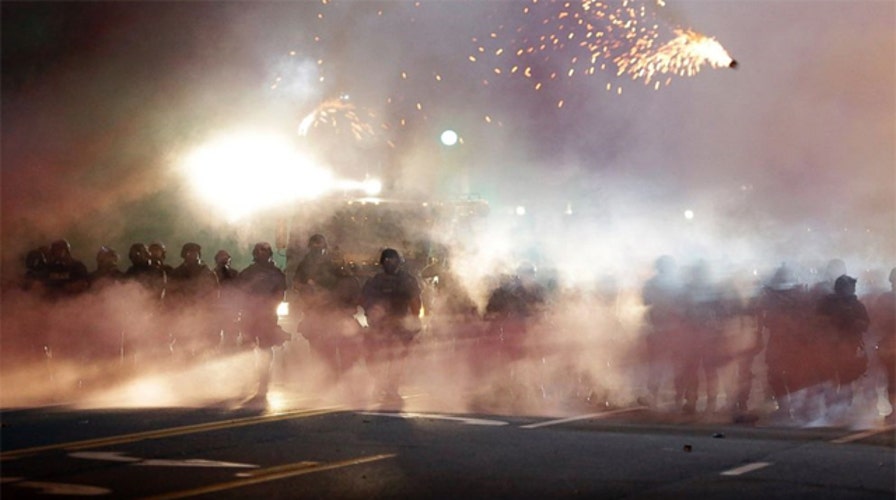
x=317, y=239
x=157, y=248
x=190, y=247
x=262, y=252
x=845, y=285
x=835, y=268
x=35, y=259
x=221, y=257
x=138, y=253
x=389, y=253
x=60, y=249
x=106, y=256
x=783, y=279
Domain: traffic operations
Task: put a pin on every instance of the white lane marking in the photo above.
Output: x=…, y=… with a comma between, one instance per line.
x=743, y=469
x=117, y=456
x=48, y=488
x=436, y=416
x=862, y=435
x=112, y=456
x=272, y=474
x=194, y=462
x=583, y=417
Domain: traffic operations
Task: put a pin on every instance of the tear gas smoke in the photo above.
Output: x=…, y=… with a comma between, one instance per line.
x=93, y=143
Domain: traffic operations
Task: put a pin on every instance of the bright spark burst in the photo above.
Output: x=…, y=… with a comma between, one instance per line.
x=340, y=115
x=565, y=38
x=685, y=55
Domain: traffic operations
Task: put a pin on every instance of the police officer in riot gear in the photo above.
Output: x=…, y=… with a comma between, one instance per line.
x=192, y=290
x=844, y=320
x=328, y=297
x=65, y=275
x=263, y=286
x=107, y=270
x=391, y=300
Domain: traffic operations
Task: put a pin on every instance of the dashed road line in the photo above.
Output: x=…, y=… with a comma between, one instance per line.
x=436, y=416
x=584, y=417
x=271, y=474
x=743, y=469
x=163, y=433
x=862, y=435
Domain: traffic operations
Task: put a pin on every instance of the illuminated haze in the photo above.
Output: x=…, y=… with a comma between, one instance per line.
x=788, y=158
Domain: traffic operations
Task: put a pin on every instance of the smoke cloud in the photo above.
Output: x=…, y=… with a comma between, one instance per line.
x=788, y=158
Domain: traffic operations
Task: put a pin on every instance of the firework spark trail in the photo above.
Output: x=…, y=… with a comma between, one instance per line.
x=685, y=55
x=384, y=114
x=561, y=39
x=336, y=112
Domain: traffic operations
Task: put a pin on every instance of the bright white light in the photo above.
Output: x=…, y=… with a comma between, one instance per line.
x=283, y=309
x=688, y=214
x=520, y=210
x=372, y=187
x=242, y=172
x=449, y=137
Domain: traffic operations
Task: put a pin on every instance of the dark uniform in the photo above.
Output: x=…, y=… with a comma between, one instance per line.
x=511, y=309
x=107, y=271
x=328, y=293
x=263, y=286
x=64, y=275
x=227, y=308
x=153, y=279
x=107, y=281
x=844, y=320
x=65, y=279
x=151, y=335
x=662, y=296
x=192, y=291
x=884, y=323
x=705, y=315
x=392, y=301
x=784, y=315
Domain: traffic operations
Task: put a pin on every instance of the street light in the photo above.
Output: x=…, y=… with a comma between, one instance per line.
x=449, y=137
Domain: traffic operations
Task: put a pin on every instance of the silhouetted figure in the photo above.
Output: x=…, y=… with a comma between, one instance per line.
x=65, y=276
x=513, y=307
x=844, y=320
x=107, y=271
x=705, y=316
x=152, y=278
x=391, y=301
x=157, y=255
x=663, y=297
x=192, y=292
x=35, y=269
x=153, y=339
x=784, y=315
x=328, y=294
x=227, y=304
x=263, y=285
x=883, y=320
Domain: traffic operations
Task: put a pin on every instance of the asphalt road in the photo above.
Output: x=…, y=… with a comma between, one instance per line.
x=318, y=451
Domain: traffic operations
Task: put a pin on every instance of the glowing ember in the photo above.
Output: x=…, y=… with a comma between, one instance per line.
x=340, y=114
x=564, y=38
x=685, y=55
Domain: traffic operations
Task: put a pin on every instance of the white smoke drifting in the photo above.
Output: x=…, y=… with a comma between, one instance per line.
x=787, y=159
